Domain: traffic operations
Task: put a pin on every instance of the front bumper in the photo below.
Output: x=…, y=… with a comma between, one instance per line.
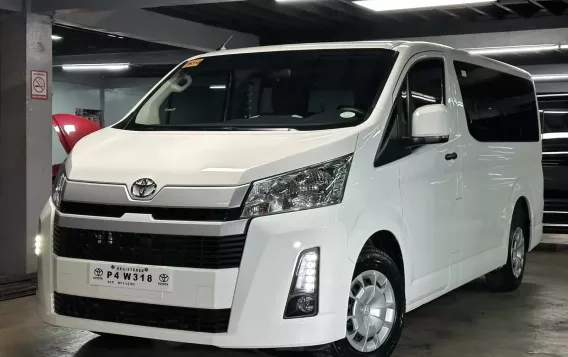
x=256, y=292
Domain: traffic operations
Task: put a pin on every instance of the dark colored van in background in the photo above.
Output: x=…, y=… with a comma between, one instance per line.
x=554, y=119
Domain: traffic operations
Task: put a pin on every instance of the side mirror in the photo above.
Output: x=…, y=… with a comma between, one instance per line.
x=431, y=125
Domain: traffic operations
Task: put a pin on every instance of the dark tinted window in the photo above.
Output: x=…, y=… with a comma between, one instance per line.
x=425, y=82
x=499, y=107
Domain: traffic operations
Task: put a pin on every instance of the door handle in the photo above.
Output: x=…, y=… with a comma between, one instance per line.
x=451, y=156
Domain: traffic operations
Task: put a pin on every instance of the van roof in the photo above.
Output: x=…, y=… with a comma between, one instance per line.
x=391, y=45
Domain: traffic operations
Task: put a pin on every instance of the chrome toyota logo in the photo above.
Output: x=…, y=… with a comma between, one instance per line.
x=143, y=188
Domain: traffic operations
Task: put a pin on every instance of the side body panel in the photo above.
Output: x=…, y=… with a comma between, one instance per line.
x=495, y=175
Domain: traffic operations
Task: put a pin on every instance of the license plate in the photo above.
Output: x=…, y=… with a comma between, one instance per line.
x=131, y=276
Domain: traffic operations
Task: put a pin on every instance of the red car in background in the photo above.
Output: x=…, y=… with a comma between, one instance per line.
x=68, y=129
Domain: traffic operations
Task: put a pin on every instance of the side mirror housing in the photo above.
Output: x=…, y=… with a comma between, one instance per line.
x=431, y=124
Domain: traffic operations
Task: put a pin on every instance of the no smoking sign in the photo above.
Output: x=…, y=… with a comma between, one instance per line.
x=38, y=85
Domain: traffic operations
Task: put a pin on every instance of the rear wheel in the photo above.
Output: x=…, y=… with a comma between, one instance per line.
x=376, y=308
x=510, y=276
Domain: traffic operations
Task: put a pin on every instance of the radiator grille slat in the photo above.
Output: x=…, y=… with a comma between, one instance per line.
x=149, y=249
x=159, y=213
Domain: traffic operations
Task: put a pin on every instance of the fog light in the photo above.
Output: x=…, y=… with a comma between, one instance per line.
x=306, y=304
x=303, y=298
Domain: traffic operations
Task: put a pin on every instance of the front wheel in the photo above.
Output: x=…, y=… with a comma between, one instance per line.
x=376, y=308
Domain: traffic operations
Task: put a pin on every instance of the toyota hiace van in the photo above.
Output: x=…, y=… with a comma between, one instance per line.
x=296, y=196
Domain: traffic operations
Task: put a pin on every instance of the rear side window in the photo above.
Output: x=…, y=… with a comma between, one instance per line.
x=499, y=107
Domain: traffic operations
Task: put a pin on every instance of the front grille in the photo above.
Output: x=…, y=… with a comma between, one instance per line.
x=169, y=317
x=159, y=213
x=149, y=249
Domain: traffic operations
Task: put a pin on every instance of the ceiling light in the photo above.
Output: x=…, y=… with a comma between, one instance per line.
x=56, y=38
x=550, y=77
x=554, y=111
x=385, y=5
x=552, y=95
x=218, y=86
x=511, y=49
x=96, y=67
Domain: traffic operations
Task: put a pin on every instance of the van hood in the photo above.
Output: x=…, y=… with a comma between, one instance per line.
x=202, y=158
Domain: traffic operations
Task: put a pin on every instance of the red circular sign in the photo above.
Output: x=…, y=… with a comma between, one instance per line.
x=39, y=85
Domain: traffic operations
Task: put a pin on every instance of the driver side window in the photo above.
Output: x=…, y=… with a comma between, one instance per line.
x=425, y=84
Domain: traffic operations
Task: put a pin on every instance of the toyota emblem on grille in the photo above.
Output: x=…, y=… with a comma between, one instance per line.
x=143, y=188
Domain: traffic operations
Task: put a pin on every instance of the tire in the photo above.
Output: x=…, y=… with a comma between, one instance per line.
x=374, y=260
x=510, y=276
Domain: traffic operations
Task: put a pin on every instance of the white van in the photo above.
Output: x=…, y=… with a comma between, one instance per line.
x=295, y=196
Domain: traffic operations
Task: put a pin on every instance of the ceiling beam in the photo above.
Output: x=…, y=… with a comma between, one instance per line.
x=478, y=11
x=153, y=27
x=58, y=5
x=447, y=12
x=540, y=6
x=506, y=8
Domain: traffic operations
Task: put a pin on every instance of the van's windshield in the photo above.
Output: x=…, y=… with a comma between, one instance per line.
x=303, y=90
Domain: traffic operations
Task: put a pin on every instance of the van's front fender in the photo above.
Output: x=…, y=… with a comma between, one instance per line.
x=367, y=210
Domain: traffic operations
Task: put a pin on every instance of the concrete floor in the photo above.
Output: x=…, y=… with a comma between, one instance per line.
x=470, y=322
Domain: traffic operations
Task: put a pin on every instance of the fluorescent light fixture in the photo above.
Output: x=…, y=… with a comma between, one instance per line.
x=512, y=49
x=56, y=38
x=550, y=77
x=96, y=67
x=392, y=5
x=554, y=111
x=218, y=86
x=552, y=95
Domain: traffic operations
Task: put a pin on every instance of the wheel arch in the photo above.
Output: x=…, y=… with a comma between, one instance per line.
x=520, y=199
x=386, y=241
x=523, y=204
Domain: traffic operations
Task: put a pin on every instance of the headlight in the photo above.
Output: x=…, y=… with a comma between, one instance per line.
x=59, y=186
x=312, y=187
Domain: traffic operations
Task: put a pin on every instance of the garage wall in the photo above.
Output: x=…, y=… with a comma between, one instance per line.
x=68, y=96
x=121, y=95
